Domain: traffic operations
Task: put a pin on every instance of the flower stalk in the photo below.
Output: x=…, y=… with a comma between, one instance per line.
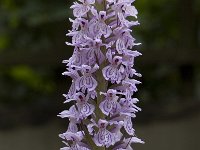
x=102, y=72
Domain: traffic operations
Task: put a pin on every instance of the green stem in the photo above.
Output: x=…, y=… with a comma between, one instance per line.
x=88, y=137
x=102, y=85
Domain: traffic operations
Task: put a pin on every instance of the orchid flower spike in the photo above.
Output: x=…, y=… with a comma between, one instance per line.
x=103, y=104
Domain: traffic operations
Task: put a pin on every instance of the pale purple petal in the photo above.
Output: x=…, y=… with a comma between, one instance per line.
x=95, y=68
x=72, y=112
x=109, y=72
x=109, y=139
x=132, y=11
x=136, y=140
x=94, y=12
x=115, y=107
x=90, y=83
x=80, y=10
x=105, y=29
x=79, y=83
x=70, y=136
x=72, y=90
x=105, y=107
x=99, y=138
x=120, y=46
x=72, y=127
x=90, y=1
x=109, y=55
x=87, y=109
x=128, y=126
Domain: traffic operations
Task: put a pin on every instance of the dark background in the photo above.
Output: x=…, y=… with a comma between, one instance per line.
x=32, y=47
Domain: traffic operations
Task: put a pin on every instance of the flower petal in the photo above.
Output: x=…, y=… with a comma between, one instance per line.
x=79, y=83
x=87, y=109
x=136, y=140
x=128, y=126
x=90, y=1
x=77, y=38
x=72, y=91
x=131, y=10
x=109, y=139
x=95, y=30
x=99, y=138
x=80, y=10
x=109, y=55
x=109, y=72
x=115, y=107
x=120, y=46
x=90, y=83
x=105, y=107
x=72, y=127
x=105, y=29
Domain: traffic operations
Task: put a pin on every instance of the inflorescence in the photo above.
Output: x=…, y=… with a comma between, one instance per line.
x=102, y=72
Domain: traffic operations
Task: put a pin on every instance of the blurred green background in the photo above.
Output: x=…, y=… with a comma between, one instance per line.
x=32, y=47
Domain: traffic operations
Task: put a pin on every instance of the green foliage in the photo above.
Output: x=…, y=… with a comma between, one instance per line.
x=31, y=78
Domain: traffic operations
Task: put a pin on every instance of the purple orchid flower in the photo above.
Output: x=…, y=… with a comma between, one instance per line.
x=84, y=109
x=124, y=39
x=80, y=10
x=103, y=137
x=78, y=58
x=78, y=37
x=83, y=106
x=124, y=7
x=102, y=41
x=93, y=52
x=98, y=25
x=126, y=144
x=128, y=62
x=86, y=81
x=128, y=85
x=112, y=71
x=74, y=75
x=75, y=138
x=110, y=104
